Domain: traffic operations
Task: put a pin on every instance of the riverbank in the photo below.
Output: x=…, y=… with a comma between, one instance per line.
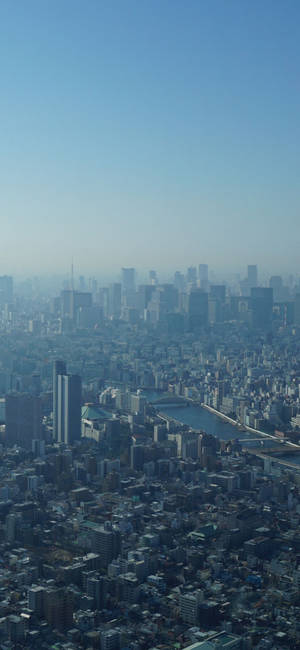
x=237, y=424
x=200, y=419
x=200, y=416
x=223, y=416
x=246, y=427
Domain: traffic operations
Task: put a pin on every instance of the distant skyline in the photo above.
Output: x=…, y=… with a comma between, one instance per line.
x=104, y=278
x=151, y=134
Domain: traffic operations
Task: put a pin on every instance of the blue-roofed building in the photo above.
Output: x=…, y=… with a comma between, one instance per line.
x=93, y=419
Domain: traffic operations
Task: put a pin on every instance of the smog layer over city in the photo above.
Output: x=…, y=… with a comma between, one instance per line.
x=150, y=325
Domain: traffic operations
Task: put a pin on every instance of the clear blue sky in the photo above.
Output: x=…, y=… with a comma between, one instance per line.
x=154, y=133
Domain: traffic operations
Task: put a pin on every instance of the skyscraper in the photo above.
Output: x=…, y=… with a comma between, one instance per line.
x=6, y=288
x=72, y=301
x=128, y=287
x=197, y=309
x=191, y=276
x=250, y=281
x=153, y=277
x=297, y=309
x=262, y=307
x=252, y=275
x=69, y=408
x=23, y=419
x=128, y=280
x=67, y=303
x=114, y=300
x=203, y=276
x=216, y=302
x=163, y=301
x=66, y=405
x=218, y=291
x=59, y=368
x=144, y=296
x=179, y=281
x=275, y=283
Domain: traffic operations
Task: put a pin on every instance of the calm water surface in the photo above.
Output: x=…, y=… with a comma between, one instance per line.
x=198, y=418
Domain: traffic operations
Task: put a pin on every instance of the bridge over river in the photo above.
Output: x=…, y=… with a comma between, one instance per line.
x=263, y=447
x=170, y=400
x=275, y=459
x=200, y=418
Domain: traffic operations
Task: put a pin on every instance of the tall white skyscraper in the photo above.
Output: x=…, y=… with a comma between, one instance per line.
x=69, y=408
x=59, y=368
x=66, y=405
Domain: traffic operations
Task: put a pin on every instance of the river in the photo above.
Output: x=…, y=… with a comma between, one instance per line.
x=198, y=417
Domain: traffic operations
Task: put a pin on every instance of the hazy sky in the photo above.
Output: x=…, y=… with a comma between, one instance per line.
x=154, y=133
